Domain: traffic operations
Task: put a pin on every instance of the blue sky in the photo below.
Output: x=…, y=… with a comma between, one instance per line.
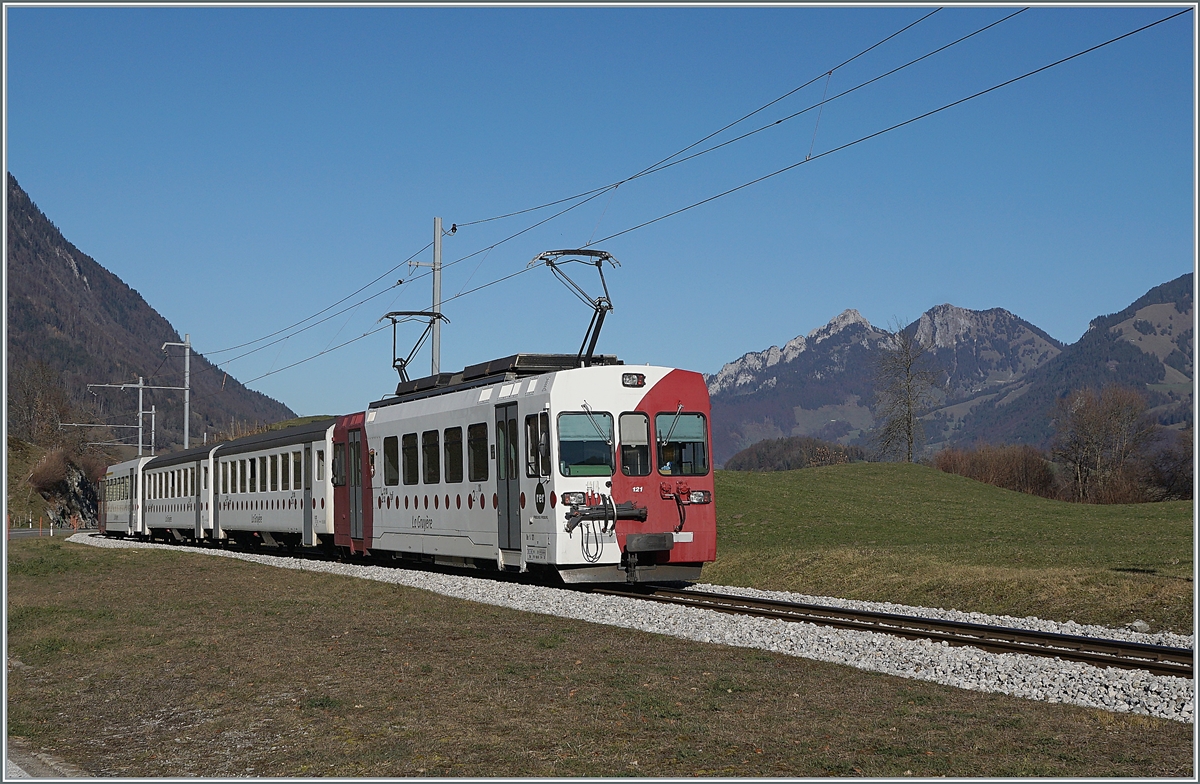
x=243, y=168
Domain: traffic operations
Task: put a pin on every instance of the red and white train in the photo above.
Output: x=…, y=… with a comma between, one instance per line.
x=596, y=470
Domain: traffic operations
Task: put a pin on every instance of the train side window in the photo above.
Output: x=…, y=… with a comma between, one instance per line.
x=339, y=465
x=205, y=478
x=192, y=483
x=225, y=478
x=477, y=452
x=285, y=473
x=253, y=475
x=320, y=465
x=242, y=475
x=296, y=470
x=408, y=459
x=262, y=474
x=431, y=455
x=274, y=473
x=531, y=445
x=537, y=445
x=544, y=444
x=585, y=443
x=452, y=453
x=391, y=461
x=635, y=444
x=682, y=444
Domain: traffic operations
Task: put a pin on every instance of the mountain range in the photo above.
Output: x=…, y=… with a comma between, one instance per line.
x=1001, y=374
x=68, y=314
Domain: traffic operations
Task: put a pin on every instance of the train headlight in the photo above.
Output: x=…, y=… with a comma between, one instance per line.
x=633, y=380
x=700, y=497
x=574, y=499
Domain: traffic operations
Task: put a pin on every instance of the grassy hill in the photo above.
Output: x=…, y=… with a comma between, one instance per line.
x=914, y=535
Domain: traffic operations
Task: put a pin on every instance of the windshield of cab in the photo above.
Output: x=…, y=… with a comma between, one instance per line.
x=682, y=444
x=585, y=444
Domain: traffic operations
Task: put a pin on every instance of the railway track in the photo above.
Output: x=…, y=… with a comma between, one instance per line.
x=1157, y=659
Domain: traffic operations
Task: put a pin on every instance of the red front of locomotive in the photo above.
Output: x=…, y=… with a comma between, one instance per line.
x=664, y=465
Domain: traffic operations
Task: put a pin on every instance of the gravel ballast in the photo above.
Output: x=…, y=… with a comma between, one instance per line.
x=1019, y=675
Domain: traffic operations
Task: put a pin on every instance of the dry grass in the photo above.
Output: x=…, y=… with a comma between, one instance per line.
x=181, y=665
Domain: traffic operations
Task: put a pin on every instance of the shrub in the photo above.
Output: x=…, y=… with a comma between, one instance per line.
x=1017, y=467
x=786, y=454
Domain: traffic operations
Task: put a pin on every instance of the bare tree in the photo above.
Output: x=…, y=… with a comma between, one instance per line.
x=1100, y=437
x=37, y=403
x=904, y=387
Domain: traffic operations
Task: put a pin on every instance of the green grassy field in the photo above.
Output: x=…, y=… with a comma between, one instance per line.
x=139, y=663
x=914, y=535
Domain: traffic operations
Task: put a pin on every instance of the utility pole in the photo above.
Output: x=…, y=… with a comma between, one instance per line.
x=141, y=412
x=141, y=387
x=436, y=344
x=187, y=382
x=436, y=347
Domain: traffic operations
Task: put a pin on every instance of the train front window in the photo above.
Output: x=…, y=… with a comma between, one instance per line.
x=635, y=444
x=585, y=444
x=682, y=444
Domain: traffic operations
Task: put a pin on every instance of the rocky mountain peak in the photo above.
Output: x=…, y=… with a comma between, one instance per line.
x=945, y=326
x=847, y=318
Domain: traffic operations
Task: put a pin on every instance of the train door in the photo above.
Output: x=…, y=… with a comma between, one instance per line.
x=135, y=500
x=133, y=497
x=309, y=539
x=199, y=484
x=354, y=480
x=508, y=485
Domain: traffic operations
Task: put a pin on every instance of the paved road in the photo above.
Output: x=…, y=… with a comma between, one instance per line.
x=24, y=763
x=22, y=533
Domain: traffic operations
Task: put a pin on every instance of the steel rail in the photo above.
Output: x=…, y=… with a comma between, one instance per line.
x=1157, y=659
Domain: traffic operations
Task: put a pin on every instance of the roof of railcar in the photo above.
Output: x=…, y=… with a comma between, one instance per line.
x=486, y=373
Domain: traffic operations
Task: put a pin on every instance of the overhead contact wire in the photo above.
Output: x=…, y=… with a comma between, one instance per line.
x=591, y=195
x=896, y=126
x=720, y=130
